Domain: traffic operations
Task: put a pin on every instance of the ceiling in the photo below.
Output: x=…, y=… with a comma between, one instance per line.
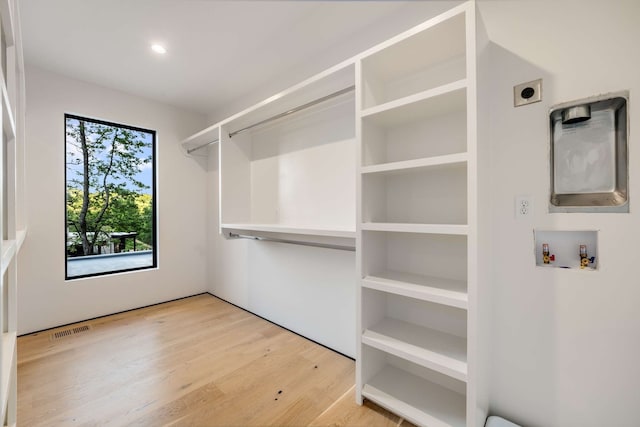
x=218, y=52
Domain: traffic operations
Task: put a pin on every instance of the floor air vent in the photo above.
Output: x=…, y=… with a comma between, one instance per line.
x=69, y=332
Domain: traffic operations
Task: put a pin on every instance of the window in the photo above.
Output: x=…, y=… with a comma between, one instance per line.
x=110, y=198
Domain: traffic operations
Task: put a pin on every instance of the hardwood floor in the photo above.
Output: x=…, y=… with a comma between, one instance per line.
x=193, y=362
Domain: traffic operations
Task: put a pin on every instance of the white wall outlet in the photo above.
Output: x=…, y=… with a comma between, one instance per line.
x=524, y=206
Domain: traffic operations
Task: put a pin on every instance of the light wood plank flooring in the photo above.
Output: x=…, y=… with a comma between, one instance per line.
x=193, y=362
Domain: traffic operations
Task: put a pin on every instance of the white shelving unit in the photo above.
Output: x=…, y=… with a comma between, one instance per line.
x=274, y=175
x=418, y=224
x=12, y=215
x=412, y=135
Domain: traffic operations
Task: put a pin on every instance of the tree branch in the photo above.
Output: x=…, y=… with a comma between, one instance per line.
x=82, y=218
x=104, y=179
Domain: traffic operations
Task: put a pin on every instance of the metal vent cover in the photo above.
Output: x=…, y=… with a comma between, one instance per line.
x=69, y=332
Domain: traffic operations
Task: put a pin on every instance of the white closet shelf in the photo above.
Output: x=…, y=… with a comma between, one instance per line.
x=454, y=229
x=427, y=162
x=437, y=101
x=8, y=253
x=438, y=351
x=438, y=290
x=8, y=352
x=285, y=229
x=416, y=399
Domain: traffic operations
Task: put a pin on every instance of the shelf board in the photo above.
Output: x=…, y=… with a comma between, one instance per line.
x=418, y=400
x=195, y=144
x=438, y=351
x=428, y=103
x=8, y=351
x=8, y=252
x=454, y=229
x=276, y=228
x=452, y=293
x=427, y=162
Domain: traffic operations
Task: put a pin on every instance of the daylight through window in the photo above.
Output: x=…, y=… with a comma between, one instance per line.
x=110, y=198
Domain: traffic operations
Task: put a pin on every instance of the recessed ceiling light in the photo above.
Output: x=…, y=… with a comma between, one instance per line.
x=158, y=48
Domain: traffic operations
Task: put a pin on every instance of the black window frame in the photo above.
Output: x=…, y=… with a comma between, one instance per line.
x=154, y=205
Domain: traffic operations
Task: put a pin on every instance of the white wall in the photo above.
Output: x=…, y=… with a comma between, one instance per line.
x=45, y=298
x=566, y=344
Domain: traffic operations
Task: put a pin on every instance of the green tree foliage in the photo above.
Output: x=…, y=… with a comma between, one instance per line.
x=103, y=190
x=145, y=209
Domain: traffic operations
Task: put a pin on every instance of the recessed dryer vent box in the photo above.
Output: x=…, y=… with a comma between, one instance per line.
x=589, y=155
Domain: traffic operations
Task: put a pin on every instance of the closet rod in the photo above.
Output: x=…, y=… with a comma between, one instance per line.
x=206, y=144
x=295, y=110
x=293, y=242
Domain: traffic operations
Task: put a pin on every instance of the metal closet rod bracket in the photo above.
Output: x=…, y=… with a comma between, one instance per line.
x=292, y=242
